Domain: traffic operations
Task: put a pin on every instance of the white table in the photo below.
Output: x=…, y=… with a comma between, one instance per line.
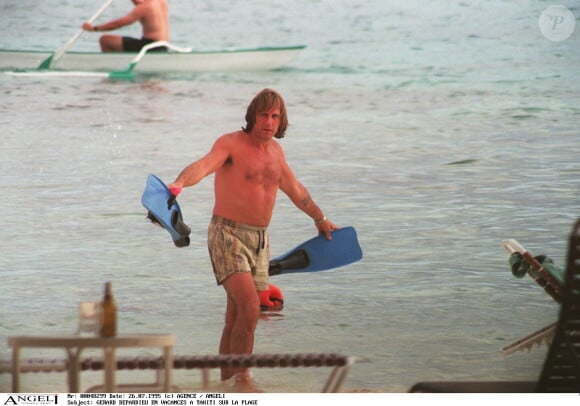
x=74, y=345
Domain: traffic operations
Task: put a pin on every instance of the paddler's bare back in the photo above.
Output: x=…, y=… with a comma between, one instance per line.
x=155, y=20
x=247, y=183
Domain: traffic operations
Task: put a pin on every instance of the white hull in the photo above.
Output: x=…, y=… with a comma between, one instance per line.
x=155, y=62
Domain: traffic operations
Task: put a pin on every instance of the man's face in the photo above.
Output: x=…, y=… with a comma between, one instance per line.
x=267, y=123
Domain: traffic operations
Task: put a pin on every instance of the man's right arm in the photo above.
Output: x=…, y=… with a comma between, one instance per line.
x=135, y=15
x=211, y=162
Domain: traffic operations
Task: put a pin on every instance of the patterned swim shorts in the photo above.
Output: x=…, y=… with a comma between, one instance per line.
x=235, y=247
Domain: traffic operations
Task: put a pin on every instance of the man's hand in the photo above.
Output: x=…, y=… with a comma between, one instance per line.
x=175, y=189
x=325, y=226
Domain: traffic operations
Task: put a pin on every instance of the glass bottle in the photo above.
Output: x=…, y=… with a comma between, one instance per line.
x=108, y=313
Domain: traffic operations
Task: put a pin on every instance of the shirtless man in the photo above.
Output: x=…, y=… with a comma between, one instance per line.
x=249, y=166
x=154, y=18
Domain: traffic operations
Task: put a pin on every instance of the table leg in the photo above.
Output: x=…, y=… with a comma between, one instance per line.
x=73, y=369
x=15, y=368
x=110, y=369
x=168, y=357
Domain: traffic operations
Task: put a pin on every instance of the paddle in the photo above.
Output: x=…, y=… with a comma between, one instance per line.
x=128, y=74
x=46, y=64
x=319, y=254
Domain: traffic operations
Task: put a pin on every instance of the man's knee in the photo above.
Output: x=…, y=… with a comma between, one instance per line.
x=111, y=43
x=250, y=310
x=245, y=318
x=243, y=295
x=103, y=43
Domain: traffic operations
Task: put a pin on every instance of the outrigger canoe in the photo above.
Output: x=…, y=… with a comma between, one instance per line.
x=228, y=60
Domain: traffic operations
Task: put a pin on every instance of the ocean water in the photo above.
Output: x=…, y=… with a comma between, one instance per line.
x=435, y=128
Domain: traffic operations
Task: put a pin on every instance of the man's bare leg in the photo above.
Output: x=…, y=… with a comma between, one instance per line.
x=242, y=313
x=111, y=43
x=227, y=373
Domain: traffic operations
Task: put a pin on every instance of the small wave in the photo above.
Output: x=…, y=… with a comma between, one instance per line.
x=322, y=69
x=463, y=162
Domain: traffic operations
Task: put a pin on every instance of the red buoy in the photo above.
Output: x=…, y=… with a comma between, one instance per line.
x=271, y=299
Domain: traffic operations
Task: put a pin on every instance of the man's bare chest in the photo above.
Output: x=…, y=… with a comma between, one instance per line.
x=255, y=169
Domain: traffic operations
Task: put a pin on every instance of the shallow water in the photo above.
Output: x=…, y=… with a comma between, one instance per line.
x=436, y=129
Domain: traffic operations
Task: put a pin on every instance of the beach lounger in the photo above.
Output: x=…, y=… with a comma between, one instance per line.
x=551, y=278
x=540, y=268
x=561, y=370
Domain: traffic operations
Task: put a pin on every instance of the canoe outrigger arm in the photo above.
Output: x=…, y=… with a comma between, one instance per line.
x=128, y=73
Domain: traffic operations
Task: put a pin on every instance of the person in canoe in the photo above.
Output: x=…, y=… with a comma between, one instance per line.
x=154, y=18
x=250, y=167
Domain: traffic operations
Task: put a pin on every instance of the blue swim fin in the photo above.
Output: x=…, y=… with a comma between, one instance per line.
x=319, y=254
x=164, y=210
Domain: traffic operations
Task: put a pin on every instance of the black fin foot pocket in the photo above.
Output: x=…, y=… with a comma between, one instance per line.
x=296, y=260
x=151, y=217
x=179, y=225
x=181, y=242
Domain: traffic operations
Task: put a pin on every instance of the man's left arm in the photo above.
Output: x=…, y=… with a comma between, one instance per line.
x=301, y=198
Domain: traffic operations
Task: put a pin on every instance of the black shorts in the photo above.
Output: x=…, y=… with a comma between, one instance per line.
x=134, y=45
